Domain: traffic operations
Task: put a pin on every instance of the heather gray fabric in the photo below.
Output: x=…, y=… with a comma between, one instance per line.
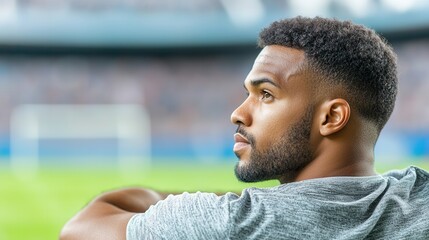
x=390, y=206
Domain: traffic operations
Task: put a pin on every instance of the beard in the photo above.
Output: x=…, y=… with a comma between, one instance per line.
x=284, y=158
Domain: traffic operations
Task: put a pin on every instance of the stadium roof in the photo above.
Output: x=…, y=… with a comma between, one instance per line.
x=168, y=23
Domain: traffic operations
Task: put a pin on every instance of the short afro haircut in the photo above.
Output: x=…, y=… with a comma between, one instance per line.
x=345, y=54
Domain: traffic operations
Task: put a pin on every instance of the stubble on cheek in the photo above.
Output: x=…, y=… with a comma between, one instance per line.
x=287, y=155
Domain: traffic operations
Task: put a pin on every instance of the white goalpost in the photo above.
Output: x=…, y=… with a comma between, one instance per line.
x=129, y=124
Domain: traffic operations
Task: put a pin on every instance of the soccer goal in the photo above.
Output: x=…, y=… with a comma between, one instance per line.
x=129, y=124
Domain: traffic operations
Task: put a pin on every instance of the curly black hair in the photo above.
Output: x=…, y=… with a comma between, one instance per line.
x=346, y=54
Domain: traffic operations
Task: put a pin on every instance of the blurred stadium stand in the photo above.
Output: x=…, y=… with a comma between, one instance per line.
x=184, y=61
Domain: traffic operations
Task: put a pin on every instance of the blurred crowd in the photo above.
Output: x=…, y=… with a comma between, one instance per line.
x=189, y=98
x=412, y=107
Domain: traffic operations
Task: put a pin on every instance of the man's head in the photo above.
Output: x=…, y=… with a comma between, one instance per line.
x=316, y=82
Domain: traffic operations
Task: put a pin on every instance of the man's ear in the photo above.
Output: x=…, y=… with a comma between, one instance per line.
x=334, y=116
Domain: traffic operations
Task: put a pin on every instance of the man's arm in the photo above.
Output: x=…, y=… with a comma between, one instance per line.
x=106, y=217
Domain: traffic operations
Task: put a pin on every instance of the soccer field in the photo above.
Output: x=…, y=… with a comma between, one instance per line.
x=37, y=208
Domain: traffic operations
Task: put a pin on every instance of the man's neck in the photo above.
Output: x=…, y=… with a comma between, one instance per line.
x=338, y=157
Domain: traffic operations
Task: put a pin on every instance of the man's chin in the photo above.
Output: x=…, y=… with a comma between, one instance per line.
x=238, y=171
x=245, y=173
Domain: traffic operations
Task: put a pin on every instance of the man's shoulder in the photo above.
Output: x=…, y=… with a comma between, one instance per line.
x=413, y=172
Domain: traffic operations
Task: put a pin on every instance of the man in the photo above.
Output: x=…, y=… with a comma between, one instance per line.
x=319, y=94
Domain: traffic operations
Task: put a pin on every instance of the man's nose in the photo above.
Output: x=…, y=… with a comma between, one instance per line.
x=241, y=115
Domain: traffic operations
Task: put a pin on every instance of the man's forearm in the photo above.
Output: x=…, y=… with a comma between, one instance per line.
x=109, y=214
x=135, y=200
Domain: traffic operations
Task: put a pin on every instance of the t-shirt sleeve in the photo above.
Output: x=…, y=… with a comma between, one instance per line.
x=185, y=216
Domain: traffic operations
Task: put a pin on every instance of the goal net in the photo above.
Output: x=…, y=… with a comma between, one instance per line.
x=128, y=124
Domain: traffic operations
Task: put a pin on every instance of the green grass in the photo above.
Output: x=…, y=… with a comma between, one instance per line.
x=37, y=207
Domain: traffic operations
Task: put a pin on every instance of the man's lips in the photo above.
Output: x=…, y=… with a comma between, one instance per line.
x=240, y=142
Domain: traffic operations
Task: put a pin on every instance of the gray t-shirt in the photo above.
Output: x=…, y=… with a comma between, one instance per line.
x=390, y=206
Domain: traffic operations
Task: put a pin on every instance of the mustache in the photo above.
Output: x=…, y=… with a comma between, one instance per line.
x=245, y=134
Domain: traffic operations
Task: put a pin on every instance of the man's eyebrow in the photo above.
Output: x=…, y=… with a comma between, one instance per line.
x=258, y=82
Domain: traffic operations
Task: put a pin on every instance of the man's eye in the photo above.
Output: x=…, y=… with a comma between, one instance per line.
x=266, y=95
